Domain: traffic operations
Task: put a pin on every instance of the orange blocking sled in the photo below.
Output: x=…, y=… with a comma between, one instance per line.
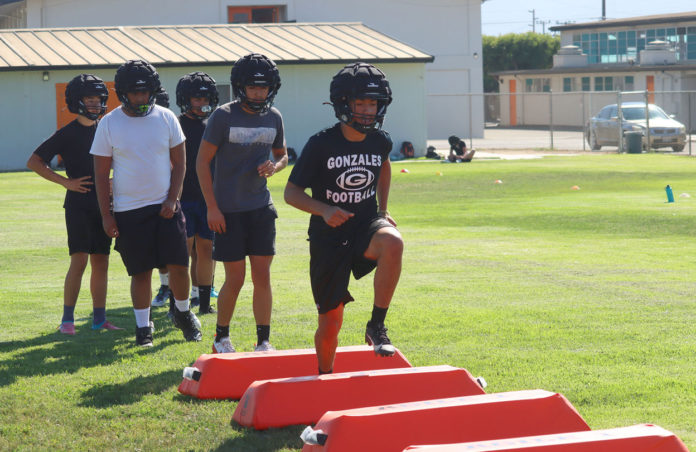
x=303, y=400
x=228, y=375
x=637, y=438
x=441, y=421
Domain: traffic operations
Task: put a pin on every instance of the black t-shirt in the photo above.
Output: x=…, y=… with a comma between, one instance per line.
x=193, y=130
x=342, y=173
x=73, y=143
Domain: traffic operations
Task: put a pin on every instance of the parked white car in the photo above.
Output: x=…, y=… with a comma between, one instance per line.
x=665, y=131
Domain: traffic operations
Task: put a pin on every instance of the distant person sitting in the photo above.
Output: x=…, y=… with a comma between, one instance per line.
x=458, y=152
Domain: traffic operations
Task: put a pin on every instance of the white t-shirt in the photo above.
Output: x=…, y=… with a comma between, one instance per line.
x=139, y=147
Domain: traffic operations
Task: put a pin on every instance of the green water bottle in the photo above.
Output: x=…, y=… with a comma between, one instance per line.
x=670, y=195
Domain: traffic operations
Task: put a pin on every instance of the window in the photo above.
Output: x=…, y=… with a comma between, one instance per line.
x=568, y=84
x=253, y=14
x=599, y=83
x=628, y=83
x=608, y=84
x=586, y=83
x=537, y=85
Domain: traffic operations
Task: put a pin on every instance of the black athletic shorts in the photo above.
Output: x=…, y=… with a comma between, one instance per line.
x=85, y=231
x=333, y=258
x=250, y=233
x=146, y=240
x=196, y=214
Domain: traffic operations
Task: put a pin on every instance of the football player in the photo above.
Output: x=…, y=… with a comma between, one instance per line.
x=86, y=96
x=241, y=135
x=348, y=171
x=144, y=144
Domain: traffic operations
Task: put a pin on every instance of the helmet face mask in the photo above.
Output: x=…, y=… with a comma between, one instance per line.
x=137, y=76
x=255, y=70
x=82, y=86
x=197, y=85
x=360, y=81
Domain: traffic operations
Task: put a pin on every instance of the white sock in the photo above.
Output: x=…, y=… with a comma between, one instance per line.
x=142, y=317
x=194, y=291
x=182, y=305
x=164, y=278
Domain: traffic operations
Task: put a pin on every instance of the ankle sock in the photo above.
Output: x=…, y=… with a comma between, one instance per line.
x=378, y=315
x=68, y=314
x=98, y=316
x=182, y=305
x=142, y=317
x=263, y=332
x=221, y=332
x=204, y=297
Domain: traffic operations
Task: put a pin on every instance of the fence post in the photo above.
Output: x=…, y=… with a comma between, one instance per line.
x=647, y=123
x=619, y=118
x=689, y=123
x=584, y=115
x=551, y=116
x=471, y=130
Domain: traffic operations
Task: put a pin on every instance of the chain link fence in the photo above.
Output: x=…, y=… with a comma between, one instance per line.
x=563, y=120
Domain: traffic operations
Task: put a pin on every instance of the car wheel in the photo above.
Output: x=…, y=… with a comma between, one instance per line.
x=592, y=140
x=678, y=148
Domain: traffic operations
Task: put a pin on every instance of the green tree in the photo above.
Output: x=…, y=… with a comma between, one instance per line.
x=516, y=51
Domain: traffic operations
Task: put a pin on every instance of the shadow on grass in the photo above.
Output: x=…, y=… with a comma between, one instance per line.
x=55, y=353
x=274, y=439
x=132, y=391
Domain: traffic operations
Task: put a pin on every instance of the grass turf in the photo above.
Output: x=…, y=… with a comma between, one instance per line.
x=528, y=283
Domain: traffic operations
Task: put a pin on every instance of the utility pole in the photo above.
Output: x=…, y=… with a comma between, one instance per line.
x=543, y=25
x=604, y=9
x=533, y=11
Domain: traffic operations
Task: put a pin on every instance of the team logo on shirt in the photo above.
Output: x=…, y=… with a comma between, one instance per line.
x=354, y=179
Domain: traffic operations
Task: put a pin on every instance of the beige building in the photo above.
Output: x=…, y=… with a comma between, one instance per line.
x=597, y=60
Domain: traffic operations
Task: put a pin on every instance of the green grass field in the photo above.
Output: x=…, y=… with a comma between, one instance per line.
x=528, y=283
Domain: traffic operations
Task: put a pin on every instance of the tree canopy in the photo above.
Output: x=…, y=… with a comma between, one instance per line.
x=516, y=51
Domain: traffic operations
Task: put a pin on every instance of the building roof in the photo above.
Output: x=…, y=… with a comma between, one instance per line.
x=601, y=68
x=631, y=21
x=181, y=45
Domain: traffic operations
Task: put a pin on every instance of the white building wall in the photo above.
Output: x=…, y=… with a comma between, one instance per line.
x=300, y=100
x=448, y=29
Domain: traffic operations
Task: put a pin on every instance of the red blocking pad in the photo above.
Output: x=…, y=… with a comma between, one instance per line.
x=228, y=375
x=303, y=400
x=637, y=438
x=442, y=421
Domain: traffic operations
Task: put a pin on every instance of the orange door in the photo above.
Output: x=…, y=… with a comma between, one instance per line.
x=63, y=115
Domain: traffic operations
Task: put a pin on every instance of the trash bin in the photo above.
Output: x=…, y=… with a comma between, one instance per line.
x=633, y=142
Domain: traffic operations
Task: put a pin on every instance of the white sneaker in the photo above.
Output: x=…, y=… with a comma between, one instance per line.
x=264, y=346
x=224, y=346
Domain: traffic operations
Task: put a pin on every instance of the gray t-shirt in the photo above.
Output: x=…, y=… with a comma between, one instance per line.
x=244, y=141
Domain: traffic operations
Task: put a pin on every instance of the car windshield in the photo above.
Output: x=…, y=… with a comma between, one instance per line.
x=638, y=113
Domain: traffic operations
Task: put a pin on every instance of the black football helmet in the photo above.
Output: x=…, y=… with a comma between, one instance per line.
x=255, y=70
x=137, y=75
x=360, y=81
x=162, y=98
x=197, y=84
x=82, y=86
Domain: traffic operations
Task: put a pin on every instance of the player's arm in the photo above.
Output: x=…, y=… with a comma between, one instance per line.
x=383, y=185
x=269, y=168
x=102, y=168
x=297, y=197
x=40, y=167
x=177, y=156
x=206, y=153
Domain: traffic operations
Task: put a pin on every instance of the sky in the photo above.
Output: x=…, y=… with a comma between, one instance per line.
x=499, y=17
